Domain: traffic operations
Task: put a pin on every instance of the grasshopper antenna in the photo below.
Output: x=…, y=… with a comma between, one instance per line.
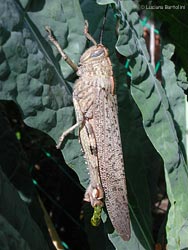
x=103, y=23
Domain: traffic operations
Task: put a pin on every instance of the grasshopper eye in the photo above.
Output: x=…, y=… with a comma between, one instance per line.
x=97, y=53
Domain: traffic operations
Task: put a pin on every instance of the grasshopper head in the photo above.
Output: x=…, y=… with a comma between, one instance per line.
x=94, y=53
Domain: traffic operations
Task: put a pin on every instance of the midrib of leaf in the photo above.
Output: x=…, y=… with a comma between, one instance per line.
x=29, y=25
x=137, y=221
x=140, y=227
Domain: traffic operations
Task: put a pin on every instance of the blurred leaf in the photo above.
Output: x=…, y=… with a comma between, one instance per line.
x=14, y=164
x=174, y=24
x=10, y=238
x=17, y=214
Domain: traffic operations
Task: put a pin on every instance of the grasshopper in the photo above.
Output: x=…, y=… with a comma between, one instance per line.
x=99, y=135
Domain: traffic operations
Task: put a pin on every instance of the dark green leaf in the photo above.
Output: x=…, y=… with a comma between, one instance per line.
x=10, y=238
x=14, y=164
x=17, y=214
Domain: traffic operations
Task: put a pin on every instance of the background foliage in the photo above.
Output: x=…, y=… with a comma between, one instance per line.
x=151, y=113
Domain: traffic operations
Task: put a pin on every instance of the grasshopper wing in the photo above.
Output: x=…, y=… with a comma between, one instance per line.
x=111, y=164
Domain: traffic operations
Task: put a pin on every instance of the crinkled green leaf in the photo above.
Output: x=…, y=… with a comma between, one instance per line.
x=175, y=94
x=159, y=126
x=182, y=80
x=36, y=82
x=176, y=100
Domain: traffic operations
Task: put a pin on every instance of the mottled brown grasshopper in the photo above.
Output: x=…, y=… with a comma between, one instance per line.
x=96, y=113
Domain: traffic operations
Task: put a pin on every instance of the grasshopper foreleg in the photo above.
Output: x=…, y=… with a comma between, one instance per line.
x=62, y=53
x=65, y=133
x=79, y=119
